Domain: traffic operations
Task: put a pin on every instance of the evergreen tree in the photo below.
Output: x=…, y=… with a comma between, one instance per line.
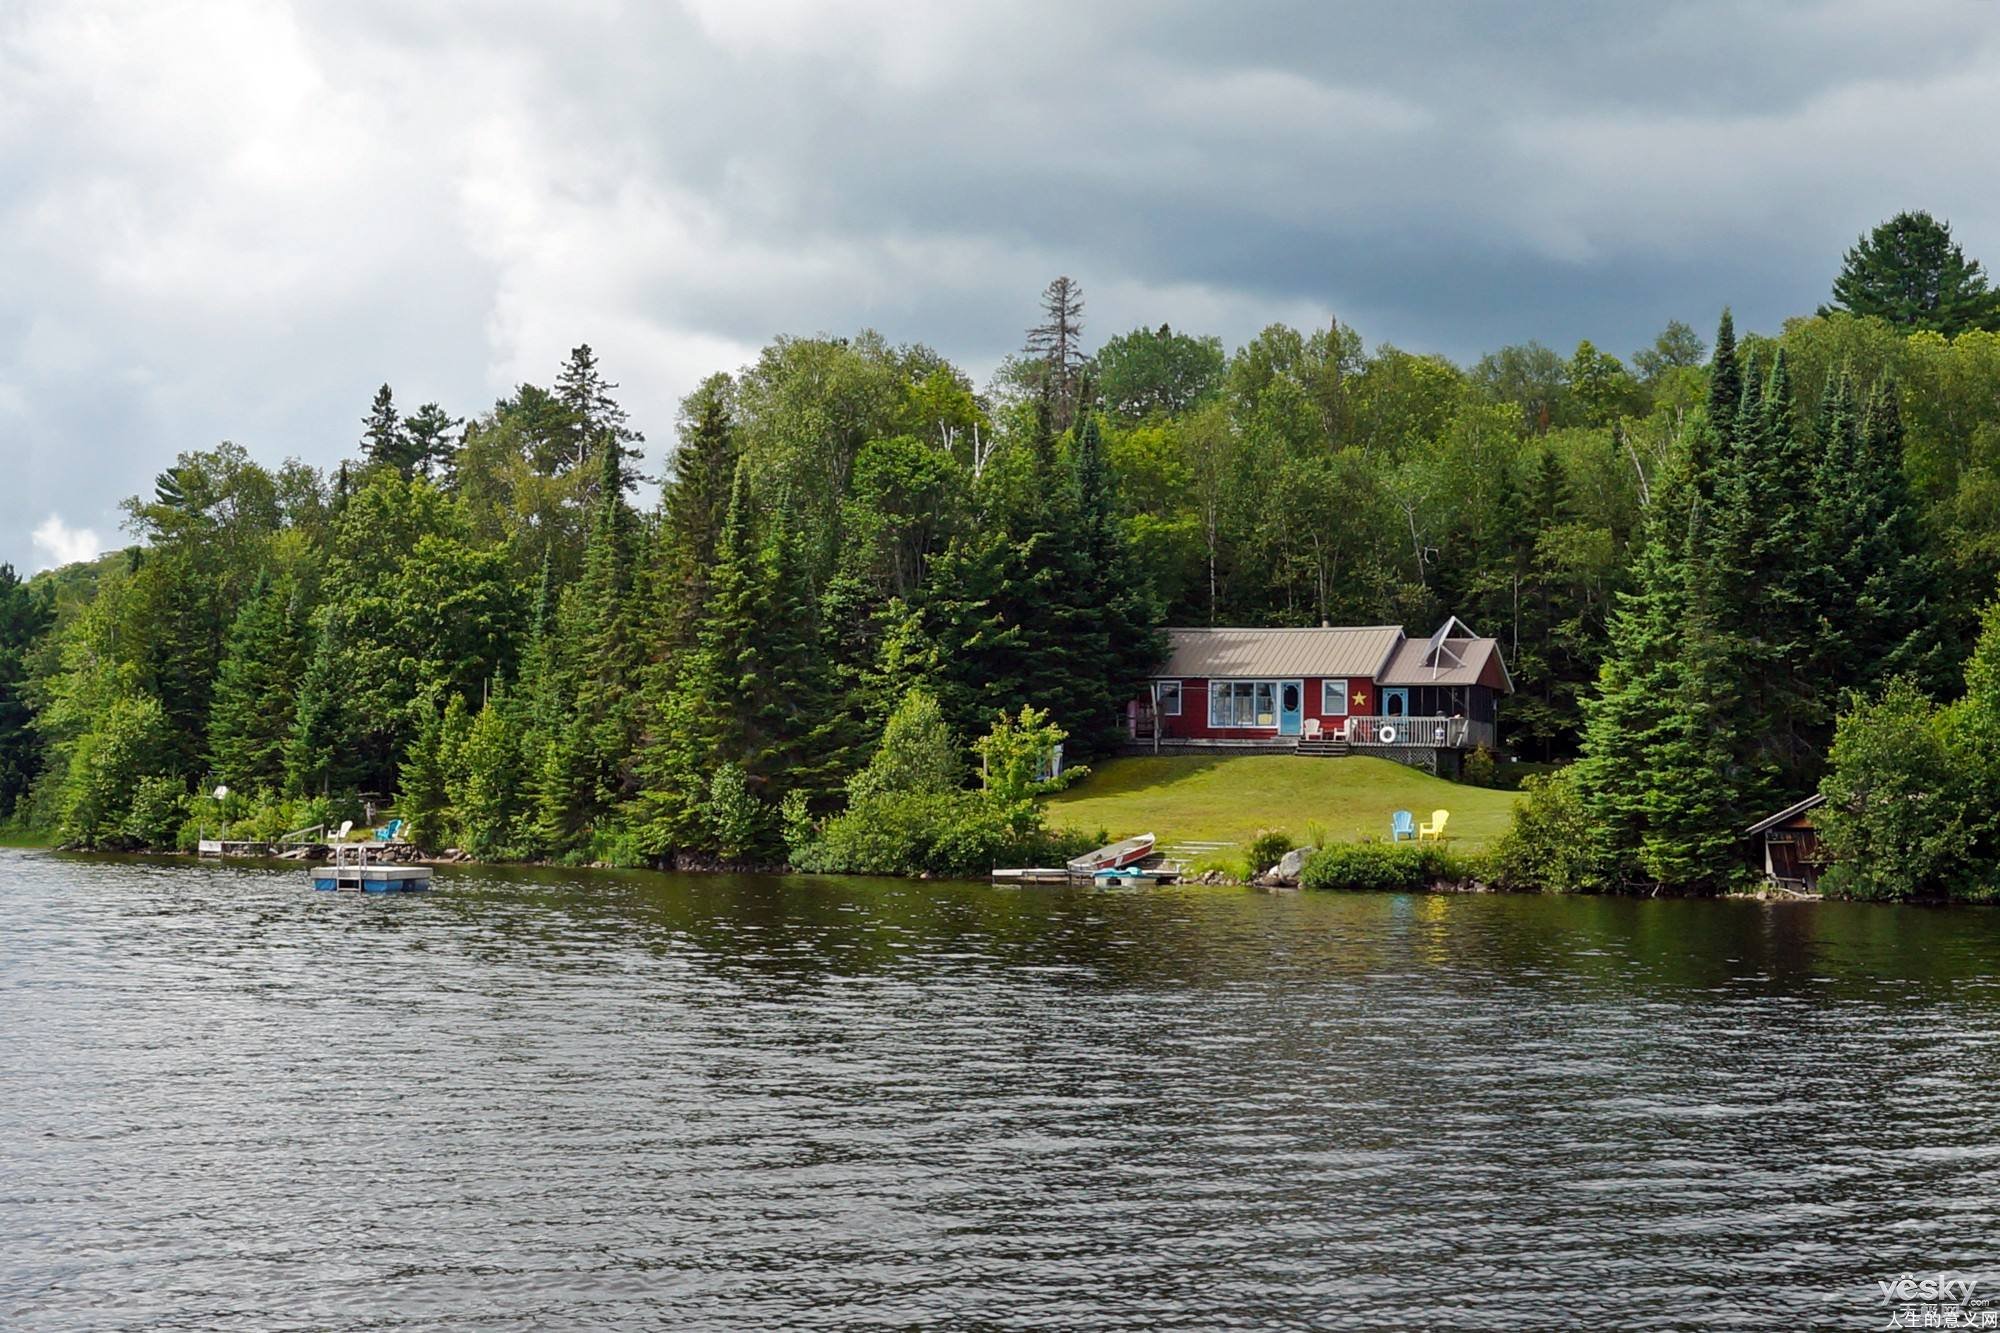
x=1897, y=587
x=1688, y=838
x=1911, y=273
x=317, y=758
x=918, y=754
x=256, y=690
x=1055, y=350
x=423, y=789
x=25, y=616
x=1725, y=394
x=1115, y=593
x=384, y=443
x=594, y=416
x=588, y=673
x=1634, y=713
x=488, y=788
x=693, y=504
x=700, y=702
x=428, y=436
x=1839, y=510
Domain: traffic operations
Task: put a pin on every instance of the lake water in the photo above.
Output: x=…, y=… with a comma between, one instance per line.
x=545, y=1100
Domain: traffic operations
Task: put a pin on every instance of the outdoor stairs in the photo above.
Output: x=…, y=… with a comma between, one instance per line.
x=1328, y=747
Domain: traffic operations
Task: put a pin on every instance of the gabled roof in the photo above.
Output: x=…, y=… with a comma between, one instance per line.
x=1812, y=802
x=1271, y=653
x=1453, y=661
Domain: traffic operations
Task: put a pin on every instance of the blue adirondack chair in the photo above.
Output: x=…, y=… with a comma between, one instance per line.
x=388, y=832
x=1402, y=825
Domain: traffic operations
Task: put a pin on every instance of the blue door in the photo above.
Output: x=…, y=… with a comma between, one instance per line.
x=1291, y=710
x=1395, y=703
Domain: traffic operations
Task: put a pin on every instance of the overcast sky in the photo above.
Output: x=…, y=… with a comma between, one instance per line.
x=226, y=220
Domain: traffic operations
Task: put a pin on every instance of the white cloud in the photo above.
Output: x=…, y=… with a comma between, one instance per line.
x=57, y=543
x=235, y=218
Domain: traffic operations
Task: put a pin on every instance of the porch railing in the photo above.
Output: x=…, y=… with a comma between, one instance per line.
x=1451, y=733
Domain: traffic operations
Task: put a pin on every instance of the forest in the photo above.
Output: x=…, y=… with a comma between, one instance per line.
x=871, y=594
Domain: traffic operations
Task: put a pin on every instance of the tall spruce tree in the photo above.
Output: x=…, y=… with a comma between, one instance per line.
x=318, y=759
x=1634, y=713
x=256, y=689
x=589, y=672
x=1725, y=394
x=1898, y=587
x=693, y=505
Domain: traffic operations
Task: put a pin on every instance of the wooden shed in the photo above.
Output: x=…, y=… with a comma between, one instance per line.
x=1788, y=846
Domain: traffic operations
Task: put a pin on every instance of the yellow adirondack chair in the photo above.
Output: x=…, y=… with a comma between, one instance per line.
x=1433, y=829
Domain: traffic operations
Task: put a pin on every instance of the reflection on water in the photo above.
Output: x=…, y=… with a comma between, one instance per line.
x=541, y=1099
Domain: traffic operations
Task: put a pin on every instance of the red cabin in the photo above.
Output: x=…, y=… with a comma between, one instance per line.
x=1325, y=691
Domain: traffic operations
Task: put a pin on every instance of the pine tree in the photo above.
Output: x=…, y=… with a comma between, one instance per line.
x=1911, y=273
x=255, y=705
x=429, y=438
x=384, y=443
x=1056, y=347
x=594, y=415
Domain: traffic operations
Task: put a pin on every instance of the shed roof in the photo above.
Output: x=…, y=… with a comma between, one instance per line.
x=1790, y=812
x=1457, y=661
x=1268, y=653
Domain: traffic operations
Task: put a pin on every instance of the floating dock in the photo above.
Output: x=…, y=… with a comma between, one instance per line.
x=352, y=872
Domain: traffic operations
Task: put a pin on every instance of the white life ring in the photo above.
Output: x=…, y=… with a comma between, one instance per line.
x=1387, y=735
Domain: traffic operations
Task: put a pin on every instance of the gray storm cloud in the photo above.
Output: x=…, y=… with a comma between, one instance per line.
x=233, y=220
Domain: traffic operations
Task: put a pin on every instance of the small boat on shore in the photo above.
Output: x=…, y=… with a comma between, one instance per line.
x=1115, y=856
x=1117, y=865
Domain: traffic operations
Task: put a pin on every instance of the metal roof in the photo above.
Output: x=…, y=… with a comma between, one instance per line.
x=1452, y=662
x=1812, y=802
x=1271, y=653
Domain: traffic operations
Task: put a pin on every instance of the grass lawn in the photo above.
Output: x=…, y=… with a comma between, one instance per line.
x=23, y=837
x=1200, y=798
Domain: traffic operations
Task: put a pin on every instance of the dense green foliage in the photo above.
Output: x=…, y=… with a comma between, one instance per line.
x=1909, y=272
x=1913, y=792
x=24, y=618
x=1387, y=867
x=854, y=551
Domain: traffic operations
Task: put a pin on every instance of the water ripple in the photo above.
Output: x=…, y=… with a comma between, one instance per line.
x=535, y=1100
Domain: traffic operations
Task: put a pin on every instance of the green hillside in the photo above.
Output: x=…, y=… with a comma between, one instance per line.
x=1230, y=798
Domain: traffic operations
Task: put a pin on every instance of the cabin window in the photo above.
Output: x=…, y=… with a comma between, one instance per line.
x=1242, y=703
x=1168, y=692
x=1333, y=698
